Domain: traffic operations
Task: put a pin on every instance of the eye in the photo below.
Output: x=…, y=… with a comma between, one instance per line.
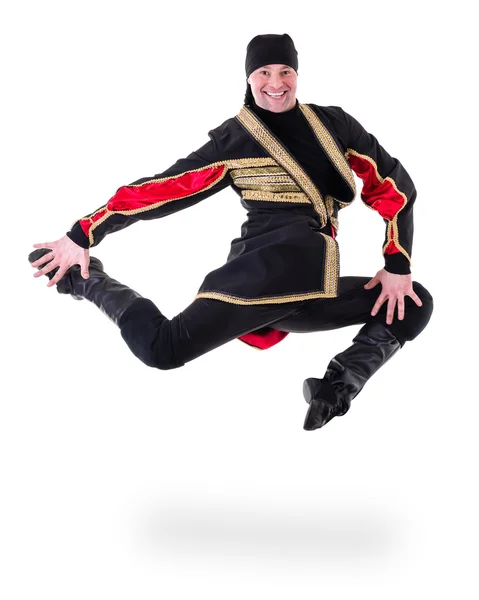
x=264, y=72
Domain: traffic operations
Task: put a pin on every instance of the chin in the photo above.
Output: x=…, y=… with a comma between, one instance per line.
x=274, y=106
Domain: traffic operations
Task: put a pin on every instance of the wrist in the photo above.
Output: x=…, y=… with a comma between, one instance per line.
x=77, y=235
x=397, y=263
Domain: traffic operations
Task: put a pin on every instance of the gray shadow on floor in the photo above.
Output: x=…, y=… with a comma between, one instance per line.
x=296, y=533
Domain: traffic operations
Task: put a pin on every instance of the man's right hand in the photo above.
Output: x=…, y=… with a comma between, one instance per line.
x=64, y=254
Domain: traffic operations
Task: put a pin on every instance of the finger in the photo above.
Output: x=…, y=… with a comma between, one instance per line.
x=43, y=259
x=390, y=313
x=58, y=276
x=46, y=269
x=401, y=308
x=45, y=245
x=372, y=283
x=416, y=298
x=379, y=302
x=84, y=268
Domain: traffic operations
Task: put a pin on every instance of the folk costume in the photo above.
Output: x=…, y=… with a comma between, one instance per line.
x=293, y=172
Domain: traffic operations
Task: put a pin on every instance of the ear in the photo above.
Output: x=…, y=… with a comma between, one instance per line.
x=248, y=81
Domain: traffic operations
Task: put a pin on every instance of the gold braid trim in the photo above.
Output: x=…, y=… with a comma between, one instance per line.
x=258, y=171
x=329, y=201
x=266, y=184
x=229, y=164
x=329, y=145
x=267, y=179
x=271, y=187
x=392, y=230
x=263, y=136
x=297, y=197
x=331, y=274
x=270, y=300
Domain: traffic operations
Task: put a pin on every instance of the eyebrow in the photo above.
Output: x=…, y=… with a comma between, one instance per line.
x=282, y=66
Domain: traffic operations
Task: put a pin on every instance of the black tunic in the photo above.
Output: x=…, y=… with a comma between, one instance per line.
x=293, y=173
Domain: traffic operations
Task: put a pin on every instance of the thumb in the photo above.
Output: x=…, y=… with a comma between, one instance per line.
x=84, y=269
x=372, y=283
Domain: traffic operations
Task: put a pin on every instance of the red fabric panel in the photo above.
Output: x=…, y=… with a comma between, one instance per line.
x=87, y=223
x=381, y=196
x=391, y=248
x=180, y=186
x=264, y=339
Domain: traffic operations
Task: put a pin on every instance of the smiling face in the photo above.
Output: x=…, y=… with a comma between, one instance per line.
x=274, y=87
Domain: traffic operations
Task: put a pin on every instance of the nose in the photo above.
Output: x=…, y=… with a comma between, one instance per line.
x=276, y=80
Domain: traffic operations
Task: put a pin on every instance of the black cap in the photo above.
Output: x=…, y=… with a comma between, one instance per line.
x=270, y=49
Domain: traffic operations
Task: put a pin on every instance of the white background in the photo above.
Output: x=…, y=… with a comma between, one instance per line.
x=120, y=481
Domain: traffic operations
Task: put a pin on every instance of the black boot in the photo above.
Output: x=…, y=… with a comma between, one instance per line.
x=347, y=374
x=112, y=297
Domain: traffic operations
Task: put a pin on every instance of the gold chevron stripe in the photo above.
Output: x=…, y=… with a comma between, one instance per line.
x=264, y=137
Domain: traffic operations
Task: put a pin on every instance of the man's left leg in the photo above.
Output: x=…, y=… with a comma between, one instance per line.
x=376, y=342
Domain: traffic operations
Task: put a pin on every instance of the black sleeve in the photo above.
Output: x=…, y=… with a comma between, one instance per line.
x=387, y=188
x=190, y=180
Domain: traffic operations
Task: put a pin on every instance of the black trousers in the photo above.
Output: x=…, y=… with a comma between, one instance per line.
x=207, y=324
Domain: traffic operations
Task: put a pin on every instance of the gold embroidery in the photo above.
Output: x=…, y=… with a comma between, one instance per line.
x=298, y=197
x=330, y=285
x=249, y=172
x=269, y=184
x=392, y=232
x=331, y=263
x=328, y=143
x=270, y=187
x=268, y=179
x=329, y=202
x=262, y=135
x=94, y=225
x=271, y=300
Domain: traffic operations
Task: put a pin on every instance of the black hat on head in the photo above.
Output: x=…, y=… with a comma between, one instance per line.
x=266, y=50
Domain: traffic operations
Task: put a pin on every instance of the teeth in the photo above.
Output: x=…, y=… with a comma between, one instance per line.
x=275, y=95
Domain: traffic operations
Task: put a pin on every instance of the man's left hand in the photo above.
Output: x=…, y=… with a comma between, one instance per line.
x=394, y=288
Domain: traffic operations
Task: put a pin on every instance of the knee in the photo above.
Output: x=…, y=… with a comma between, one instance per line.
x=416, y=317
x=148, y=335
x=424, y=311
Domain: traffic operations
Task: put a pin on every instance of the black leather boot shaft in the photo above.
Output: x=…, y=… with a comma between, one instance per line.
x=347, y=373
x=112, y=297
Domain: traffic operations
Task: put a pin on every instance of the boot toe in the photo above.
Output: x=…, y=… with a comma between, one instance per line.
x=39, y=253
x=323, y=403
x=311, y=388
x=36, y=254
x=318, y=415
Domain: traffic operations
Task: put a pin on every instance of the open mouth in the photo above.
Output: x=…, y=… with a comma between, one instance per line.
x=275, y=94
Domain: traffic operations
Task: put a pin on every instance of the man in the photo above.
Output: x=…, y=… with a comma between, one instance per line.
x=290, y=163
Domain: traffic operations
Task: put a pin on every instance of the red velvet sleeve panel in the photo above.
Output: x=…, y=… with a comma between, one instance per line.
x=388, y=189
x=186, y=183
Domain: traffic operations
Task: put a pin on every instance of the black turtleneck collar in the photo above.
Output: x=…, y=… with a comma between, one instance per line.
x=294, y=132
x=270, y=117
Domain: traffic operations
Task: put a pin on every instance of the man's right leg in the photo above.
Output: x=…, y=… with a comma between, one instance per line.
x=201, y=327
x=153, y=338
